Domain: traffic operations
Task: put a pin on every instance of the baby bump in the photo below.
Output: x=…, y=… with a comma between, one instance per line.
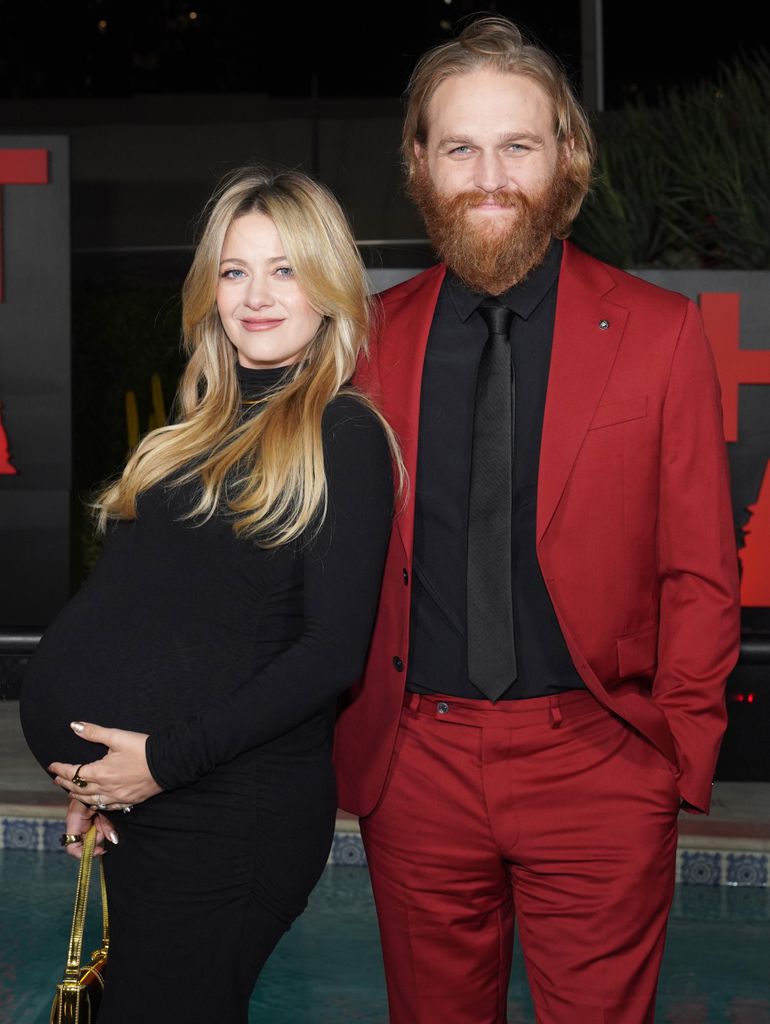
x=123, y=683
x=52, y=696
x=104, y=659
x=119, y=682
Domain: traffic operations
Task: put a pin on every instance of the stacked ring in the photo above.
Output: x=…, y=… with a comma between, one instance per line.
x=69, y=838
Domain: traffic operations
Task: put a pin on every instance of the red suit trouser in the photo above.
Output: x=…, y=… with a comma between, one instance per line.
x=551, y=810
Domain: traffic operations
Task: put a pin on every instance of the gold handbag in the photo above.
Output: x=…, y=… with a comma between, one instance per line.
x=80, y=991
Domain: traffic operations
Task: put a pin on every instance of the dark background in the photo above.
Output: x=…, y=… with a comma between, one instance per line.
x=113, y=48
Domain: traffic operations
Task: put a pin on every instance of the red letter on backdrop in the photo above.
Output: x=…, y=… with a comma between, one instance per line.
x=6, y=466
x=20, y=167
x=755, y=556
x=736, y=366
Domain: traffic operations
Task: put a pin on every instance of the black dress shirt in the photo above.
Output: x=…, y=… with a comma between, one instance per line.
x=438, y=646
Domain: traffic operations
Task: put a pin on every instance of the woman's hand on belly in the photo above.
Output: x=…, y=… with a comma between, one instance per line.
x=119, y=779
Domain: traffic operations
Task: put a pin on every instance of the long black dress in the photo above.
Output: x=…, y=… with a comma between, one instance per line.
x=231, y=658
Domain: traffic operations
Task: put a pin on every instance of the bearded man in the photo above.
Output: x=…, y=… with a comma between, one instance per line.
x=545, y=684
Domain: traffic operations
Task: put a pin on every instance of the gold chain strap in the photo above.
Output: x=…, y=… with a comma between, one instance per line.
x=75, y=949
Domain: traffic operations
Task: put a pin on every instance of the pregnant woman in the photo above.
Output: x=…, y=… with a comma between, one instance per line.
x=231, y=606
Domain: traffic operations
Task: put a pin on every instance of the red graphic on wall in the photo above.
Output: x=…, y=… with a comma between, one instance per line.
x=20, y=167
x=755, y=556
x=6, y=466
x=735, y=365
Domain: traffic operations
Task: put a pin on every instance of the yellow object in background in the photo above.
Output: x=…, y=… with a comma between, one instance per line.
x=157, y=417
x=132, y=420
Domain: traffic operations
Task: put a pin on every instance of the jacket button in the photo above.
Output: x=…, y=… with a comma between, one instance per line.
x=405, y=575
x=398, y=664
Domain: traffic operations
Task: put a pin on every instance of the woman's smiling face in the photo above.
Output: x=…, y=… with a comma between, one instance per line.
x=264, y=311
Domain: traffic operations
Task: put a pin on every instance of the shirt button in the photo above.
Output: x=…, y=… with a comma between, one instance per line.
x=405, y=575
x=398, y=664
x=442, y=707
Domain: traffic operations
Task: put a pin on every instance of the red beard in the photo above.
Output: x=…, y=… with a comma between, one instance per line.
x=490, y=258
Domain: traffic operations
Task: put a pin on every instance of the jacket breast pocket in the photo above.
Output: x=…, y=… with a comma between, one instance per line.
x=638, y=653
x=619, y=412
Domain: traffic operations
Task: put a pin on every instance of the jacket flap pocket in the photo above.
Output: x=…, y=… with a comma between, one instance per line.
x=638, y=652
x=619, y=412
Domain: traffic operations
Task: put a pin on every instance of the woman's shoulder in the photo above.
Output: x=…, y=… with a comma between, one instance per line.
x=351, y=415
x=356, y=446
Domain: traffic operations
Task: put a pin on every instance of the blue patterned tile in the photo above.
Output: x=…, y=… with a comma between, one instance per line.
x=701, y=868
x=348, y=849
x=747, y=869
x=51, y=834
x=20, y=834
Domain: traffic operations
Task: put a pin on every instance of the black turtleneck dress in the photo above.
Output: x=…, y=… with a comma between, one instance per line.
x=231, y=657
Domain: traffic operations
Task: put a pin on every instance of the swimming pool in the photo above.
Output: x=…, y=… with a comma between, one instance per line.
x=327, y=970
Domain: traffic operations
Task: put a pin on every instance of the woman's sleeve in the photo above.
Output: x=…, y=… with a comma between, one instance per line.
x=342, y=576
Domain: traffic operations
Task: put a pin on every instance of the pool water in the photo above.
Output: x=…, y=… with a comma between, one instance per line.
x=327, y=970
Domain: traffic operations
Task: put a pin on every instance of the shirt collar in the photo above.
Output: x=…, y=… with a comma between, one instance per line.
x=522, y=299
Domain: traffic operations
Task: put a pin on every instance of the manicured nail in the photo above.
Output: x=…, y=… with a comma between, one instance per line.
x=113, y=838
x=77, y=726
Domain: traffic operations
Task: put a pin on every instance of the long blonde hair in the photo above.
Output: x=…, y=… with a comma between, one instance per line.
x=267, y=472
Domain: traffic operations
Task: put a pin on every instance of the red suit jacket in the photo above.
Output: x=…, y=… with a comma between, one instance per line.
x=634, y=523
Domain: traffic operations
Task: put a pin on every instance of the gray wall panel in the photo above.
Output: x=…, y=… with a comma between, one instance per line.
x=35, y=389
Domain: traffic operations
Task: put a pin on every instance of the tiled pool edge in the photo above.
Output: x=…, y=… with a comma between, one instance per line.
x=695, y=864
x=36, y=834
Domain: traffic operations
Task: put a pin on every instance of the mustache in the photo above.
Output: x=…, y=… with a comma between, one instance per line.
x=470, y=200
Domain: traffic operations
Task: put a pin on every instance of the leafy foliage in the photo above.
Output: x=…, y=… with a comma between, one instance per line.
x=686, y=183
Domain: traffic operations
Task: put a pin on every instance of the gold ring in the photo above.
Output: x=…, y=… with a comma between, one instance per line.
x=69, y=838
x=76, y=778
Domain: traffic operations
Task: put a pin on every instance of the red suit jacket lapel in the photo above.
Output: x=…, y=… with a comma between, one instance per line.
x=587, y=333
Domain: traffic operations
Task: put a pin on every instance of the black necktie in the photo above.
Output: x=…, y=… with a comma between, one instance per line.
x=491, y=655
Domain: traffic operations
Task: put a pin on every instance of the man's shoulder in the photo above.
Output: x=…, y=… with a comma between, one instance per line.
x=412, y=287
x=626, y=288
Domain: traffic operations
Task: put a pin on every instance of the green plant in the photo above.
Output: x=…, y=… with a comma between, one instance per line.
x=686, y=183
x=621, y=219
x=719, y=202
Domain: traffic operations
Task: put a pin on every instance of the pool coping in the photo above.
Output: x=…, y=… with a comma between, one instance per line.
x=701, y=859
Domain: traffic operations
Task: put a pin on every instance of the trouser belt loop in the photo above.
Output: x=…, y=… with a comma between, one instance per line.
x=413, y=701
x=553, y=704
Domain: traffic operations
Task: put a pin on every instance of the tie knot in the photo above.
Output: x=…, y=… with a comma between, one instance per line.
x=496, y=316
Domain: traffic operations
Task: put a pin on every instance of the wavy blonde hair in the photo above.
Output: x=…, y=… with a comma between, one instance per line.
x=267, y=472
x=496, y=43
